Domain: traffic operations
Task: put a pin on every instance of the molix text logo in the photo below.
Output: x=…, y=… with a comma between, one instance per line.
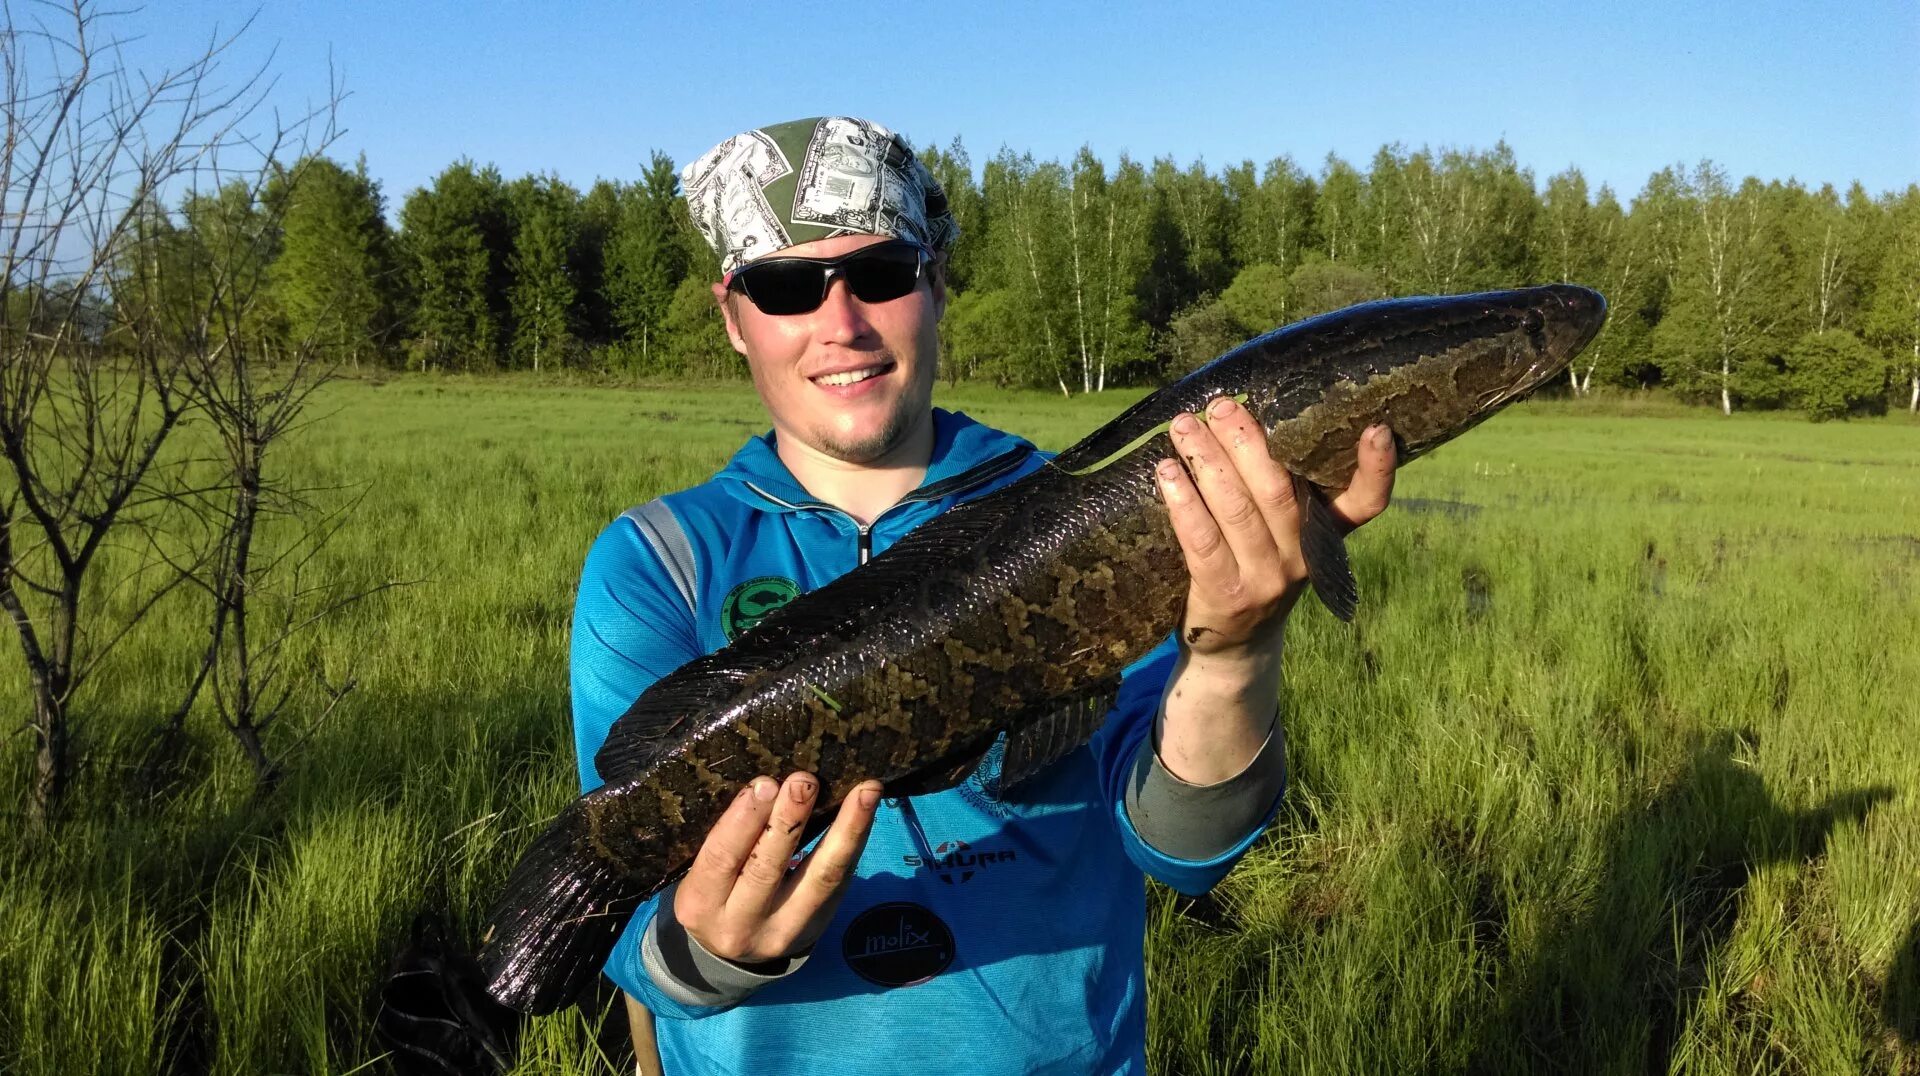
x=956, y=861
x=900, y=936
x=897, y=944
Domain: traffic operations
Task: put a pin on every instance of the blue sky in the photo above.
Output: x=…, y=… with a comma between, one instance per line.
x=1822, y=93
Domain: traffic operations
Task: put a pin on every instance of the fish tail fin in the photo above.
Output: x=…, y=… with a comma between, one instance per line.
x=557, y=919
x=1323, y=543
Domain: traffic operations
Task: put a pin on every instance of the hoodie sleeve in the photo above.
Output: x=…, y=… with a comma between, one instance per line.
x=631, y=627
x=1187, y=836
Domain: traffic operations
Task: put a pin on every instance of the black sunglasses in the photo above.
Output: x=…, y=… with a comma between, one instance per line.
x=875, y=274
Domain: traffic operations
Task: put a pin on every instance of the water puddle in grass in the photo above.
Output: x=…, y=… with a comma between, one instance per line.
x=1436, y=506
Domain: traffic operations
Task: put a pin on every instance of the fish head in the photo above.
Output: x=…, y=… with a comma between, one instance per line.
x=1478, y=354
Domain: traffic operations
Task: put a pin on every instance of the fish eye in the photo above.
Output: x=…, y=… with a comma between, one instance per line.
x=1533, y=323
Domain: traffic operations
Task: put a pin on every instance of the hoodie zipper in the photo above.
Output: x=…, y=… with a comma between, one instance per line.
x=974, y=476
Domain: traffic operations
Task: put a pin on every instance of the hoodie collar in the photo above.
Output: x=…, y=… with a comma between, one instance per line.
x=965, y=454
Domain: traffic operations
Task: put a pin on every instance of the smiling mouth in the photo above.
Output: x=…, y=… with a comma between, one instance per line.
x=852, y=377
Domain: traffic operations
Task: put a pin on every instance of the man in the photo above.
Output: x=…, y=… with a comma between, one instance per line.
x=979, y=929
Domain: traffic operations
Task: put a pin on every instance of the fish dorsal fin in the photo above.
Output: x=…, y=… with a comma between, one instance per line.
x=1323, y=543
x=928, y=568
x=1035, y=745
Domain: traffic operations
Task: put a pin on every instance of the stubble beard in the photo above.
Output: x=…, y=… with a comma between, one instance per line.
x=867, y=449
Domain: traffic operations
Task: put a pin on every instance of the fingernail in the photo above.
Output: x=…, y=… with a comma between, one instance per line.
x=869, y=797
x=1185, y=423
x=764, y=789
x=1168, y=471
x=1380, y=436
x=1221, y=406
x=800, y=791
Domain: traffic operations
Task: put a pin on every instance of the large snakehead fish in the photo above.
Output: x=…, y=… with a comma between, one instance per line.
x=1014, y=613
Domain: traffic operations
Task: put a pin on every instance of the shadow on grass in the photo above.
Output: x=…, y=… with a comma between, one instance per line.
x=1900, y=1003
x=1615, y=986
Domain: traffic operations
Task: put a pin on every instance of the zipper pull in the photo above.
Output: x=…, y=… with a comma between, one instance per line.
x=866, y=542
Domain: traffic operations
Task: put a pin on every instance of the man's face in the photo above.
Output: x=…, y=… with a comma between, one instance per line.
x=849, y=379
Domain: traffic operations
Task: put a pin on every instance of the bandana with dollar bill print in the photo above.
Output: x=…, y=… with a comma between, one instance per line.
x=773, y=187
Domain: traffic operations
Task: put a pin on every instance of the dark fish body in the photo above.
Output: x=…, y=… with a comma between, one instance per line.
x=1013, y=613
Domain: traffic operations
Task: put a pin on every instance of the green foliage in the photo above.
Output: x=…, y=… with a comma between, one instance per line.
x=1079, y=275
x=977, y=339
x=1319, y=285
x=456, y=243
x=646, y=255
x=953, y=169
x=336, y=278
x=696, y=335
x=1201, y=333
x=1730, y=295
x=1835, y=374
x=1258, y=298
x=1893, y=318
x=545, y=217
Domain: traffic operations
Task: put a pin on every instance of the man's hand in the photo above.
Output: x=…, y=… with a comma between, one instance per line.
x=1239, y=529
x=740, y=901
x=1238, y=524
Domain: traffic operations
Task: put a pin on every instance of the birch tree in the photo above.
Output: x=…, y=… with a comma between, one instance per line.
x=1273, y=216
x=1030, y=259
x=1726, y=302
x=1893, y=321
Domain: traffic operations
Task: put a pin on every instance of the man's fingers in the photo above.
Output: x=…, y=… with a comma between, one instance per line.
x=716, y=867
x=814, y=889
x=1209, y=560
x=1372, y=486
x=765, y=868
x=1266, y=486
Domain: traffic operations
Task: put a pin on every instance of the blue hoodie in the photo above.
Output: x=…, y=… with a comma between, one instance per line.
x=983, y=933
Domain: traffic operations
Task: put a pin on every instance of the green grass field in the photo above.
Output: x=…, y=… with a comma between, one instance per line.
x=1616, y=770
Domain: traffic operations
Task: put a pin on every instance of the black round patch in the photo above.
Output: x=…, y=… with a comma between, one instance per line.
x=750, y=602
x=898, y=944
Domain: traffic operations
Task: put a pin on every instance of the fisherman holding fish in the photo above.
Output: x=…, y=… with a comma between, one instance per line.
x=980, y=929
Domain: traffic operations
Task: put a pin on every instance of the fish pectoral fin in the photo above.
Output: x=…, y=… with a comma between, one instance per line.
x=1324, y=544
x=927, y=782
x=1038, y=744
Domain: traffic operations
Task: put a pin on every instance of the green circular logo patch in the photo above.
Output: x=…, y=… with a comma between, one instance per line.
x=750, y=602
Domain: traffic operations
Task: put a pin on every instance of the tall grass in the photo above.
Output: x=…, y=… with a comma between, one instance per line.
x=1615, y=771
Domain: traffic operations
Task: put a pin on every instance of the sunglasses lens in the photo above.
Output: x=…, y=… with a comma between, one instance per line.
x=883, y=274
x=876, y=274
x=785, y=286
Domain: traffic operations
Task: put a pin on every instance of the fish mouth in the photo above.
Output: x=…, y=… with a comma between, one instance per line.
x=1572, y=316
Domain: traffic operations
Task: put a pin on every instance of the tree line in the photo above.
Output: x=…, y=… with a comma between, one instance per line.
x=1077, y=276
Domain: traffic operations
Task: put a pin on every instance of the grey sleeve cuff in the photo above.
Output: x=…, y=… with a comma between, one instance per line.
x=685, y=971
x=1203, y=822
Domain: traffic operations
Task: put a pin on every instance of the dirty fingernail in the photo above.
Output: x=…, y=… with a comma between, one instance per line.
x=869, y=797
x=1221, y=406
x=1168, y=470
x=1185, y=423
x=764, y=789
x=800, y=791
x=1380, y=436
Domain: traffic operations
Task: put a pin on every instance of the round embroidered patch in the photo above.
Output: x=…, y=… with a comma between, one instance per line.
x=897, y=944
x=750, y=602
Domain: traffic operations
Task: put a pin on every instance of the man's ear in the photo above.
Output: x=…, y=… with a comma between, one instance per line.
x=722, y=299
